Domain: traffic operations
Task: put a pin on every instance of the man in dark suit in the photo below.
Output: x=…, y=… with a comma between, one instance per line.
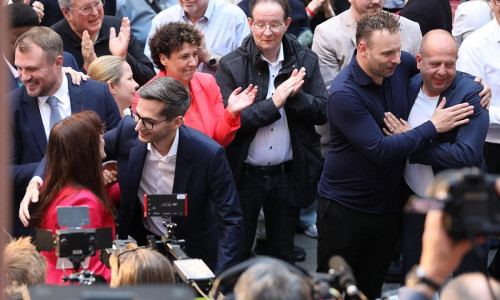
x=39, y=58
x=156, y=154
x=22, y=18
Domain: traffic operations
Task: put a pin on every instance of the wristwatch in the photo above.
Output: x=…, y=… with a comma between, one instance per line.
x=212, y=61
x=417, y=275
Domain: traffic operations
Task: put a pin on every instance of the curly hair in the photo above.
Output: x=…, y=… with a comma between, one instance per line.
x=170, y=38
x=378, y=22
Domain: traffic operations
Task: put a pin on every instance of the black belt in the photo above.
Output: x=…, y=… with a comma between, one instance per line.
x=273, y=170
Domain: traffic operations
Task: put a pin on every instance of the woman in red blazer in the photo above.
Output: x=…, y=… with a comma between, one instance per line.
x=175, y=49
x=73, y=178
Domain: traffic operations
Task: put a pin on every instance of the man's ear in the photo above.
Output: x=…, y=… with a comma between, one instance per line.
x=362, y=49
x=59, y=61
x=419, y=60
x=287, y=22
x=178, y=121
x=65, y=12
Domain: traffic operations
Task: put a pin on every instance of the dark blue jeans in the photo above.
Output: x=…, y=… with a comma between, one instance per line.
x=271, y=193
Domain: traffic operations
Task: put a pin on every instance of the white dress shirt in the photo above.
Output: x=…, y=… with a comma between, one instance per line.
x=470, y=16
x=418, y=176
x=158, y=178
x=224, y=26
x=63, y=102
x=271, y=144
x=479, y=56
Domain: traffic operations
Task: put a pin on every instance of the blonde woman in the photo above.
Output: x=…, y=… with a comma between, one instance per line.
x=116, y=72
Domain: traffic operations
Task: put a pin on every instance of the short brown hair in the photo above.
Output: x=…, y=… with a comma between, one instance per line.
x=23, y=264
x=378, y=22
x=170, y=38
x=134, y=265
x=46, y=38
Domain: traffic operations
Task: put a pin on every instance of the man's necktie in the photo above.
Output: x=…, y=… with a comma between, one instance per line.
x=55, y=115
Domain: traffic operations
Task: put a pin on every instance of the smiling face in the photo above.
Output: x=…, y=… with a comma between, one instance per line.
x=38, y=75
x=80, y=22
x=268, y=41
x=163, y=131
x=182, y=63
x=437, y=62
x=382, y=54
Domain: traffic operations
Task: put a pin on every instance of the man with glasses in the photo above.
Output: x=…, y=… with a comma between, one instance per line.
x=478, y=55
x=87, y=33
x=275, y=155
x=157, y=154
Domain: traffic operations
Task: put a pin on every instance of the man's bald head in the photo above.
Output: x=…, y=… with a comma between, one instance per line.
x=438, y=38
x=471, y=286
x=437, y=62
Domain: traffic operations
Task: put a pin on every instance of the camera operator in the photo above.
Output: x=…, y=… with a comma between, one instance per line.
x=133, y=265
x=271, y=281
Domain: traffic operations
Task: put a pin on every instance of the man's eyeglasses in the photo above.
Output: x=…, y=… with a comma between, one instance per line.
x=275, y=27
x=87, y=10
x=147, y=123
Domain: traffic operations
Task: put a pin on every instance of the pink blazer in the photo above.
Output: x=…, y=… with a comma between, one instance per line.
x=99, y=217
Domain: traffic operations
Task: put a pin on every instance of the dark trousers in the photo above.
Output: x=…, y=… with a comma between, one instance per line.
x=491, y=154
x=270, y=192
x=365, y=240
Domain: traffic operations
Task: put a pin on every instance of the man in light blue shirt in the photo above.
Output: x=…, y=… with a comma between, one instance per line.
x=224, y=25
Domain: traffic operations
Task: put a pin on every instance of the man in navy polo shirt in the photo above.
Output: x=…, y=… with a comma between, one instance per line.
x=359, y=195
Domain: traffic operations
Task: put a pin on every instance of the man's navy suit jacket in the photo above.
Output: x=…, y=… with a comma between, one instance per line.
x=462, y=146
x=28, y=135
x=213, y=228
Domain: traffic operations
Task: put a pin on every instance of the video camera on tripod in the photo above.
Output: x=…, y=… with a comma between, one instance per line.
x=74, y=245
x=191, y=271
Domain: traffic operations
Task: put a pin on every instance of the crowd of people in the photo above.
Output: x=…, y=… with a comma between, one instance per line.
x=324, y=115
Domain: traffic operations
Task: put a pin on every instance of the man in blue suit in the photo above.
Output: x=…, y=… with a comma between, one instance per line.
x=39, y=58
x=157, y=154
x=22, y=18
x=457, y=148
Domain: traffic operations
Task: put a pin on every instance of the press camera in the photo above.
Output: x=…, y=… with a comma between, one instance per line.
x=469, y=200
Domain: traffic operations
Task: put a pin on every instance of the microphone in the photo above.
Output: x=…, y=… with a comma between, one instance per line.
x=339, y=268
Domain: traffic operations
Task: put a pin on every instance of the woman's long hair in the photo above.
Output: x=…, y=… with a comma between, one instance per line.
x=73, y=159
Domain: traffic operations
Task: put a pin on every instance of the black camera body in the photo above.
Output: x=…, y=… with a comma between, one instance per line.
x=472, y=207
x=70, y=242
